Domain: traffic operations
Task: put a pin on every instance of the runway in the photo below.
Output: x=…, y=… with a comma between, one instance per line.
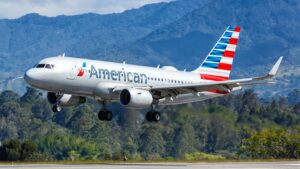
x=221, y=165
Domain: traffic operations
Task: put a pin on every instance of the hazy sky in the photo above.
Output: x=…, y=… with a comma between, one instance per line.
x=16, y=8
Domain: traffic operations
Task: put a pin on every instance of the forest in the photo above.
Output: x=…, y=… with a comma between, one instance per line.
x=238, y=126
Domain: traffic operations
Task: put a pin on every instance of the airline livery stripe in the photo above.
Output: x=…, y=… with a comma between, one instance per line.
x=224, y=40
x=233, y=41
x=231, y=28
x=210, y=65
x=218, y=91
x=220, y=46
x=235, y=35
x=213, y=77
x=224, y=66
x=216, y=72
x=228, y=53
x=217, y=52
x=237, y=29
x=228, y=34
x=231, y=47
x=227, y=60
x=213, y=59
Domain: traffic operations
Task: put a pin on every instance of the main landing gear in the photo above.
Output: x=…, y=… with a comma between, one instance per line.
x=153, y=116
x=105, y=115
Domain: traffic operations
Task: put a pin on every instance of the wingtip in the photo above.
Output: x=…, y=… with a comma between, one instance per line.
x=275, y=68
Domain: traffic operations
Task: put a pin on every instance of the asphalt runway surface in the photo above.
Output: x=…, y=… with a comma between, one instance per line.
x=221, y=165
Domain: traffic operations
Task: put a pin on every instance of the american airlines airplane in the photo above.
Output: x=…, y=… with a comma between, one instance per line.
x=69, y=81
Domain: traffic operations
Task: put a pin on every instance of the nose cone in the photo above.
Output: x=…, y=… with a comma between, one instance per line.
x=31, y=77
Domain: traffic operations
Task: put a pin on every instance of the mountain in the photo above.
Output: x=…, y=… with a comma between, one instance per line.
x=178, y=33
x=269, y=30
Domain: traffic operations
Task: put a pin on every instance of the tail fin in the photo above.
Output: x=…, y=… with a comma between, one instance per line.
x=217, y=64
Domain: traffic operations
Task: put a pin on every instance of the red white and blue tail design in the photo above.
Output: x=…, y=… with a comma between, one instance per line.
x=217, y=65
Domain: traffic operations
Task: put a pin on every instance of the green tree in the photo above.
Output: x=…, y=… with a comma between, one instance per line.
x=151, y=142
x=28, y=148
x=8, y=96
x=185, y=141
x=11, y=150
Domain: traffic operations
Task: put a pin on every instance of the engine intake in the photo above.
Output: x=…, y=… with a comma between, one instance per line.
x=136, y=98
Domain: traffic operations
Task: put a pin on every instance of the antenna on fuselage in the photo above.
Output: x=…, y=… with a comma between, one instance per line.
x=61, y=55
x=124, y=62
x=158, y=66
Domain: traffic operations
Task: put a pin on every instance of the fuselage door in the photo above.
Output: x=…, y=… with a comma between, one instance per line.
x=72, y=73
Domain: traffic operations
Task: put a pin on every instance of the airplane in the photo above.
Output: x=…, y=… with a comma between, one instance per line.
x=69, y=81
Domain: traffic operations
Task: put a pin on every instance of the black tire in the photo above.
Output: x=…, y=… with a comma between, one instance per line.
x=149, y=116
x=56, y=108
x=108, y=115
x=155, y=116
x=101, y=115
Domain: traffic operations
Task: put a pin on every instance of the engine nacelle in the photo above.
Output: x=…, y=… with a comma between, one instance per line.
x=65, y=99
x=136, y=98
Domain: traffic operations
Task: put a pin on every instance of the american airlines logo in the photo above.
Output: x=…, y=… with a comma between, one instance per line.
x=81, y=70
x=118, y=75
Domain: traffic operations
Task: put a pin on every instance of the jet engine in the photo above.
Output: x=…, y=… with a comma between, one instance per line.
x=65, y=99
x=136, y=98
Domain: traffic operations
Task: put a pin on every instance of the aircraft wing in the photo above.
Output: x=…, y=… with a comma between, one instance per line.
x=219, y=87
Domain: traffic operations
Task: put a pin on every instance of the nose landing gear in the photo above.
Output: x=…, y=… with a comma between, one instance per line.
x=56, y=108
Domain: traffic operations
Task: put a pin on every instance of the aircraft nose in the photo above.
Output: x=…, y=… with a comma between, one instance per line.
x=31, y=77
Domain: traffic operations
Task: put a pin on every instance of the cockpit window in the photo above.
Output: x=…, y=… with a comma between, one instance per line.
x=40, y=66
x=48, y=66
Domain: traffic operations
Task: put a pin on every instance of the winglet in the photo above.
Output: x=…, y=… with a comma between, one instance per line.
x=275, y=68
x=272, y=72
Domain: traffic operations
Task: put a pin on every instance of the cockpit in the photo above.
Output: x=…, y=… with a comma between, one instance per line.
x=47, y=66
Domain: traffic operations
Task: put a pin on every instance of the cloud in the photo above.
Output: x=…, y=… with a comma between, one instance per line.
x=17, y=8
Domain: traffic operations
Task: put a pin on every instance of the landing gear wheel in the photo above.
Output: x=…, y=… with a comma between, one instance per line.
x=56, y=108
x=108, y=116
x=105, y=115
x=153, y=116
x=101, y=115
x=149, y=116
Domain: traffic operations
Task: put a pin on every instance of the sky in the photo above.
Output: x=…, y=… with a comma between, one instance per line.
x=11, y=9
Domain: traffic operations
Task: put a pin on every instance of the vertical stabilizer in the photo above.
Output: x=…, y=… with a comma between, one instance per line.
x=217, y=65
